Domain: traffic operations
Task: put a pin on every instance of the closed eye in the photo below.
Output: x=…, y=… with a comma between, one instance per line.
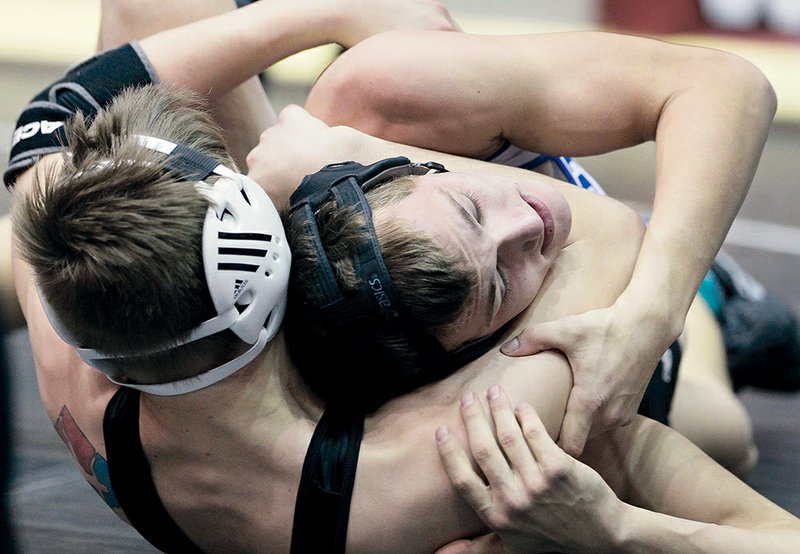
x=476, y=205
x=504, y=279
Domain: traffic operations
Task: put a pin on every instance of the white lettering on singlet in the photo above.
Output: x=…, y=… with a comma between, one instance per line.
x=31, y=129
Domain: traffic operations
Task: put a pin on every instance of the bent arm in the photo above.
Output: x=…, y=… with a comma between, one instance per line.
x=217, y=51
x=540, y=499
x=229, y=48
x=576, y=94
x=579, y=94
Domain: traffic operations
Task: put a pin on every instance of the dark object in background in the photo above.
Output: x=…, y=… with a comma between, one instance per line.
x=761, y=331
x=652, y=16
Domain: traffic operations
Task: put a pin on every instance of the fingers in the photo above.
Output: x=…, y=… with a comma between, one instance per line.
x=545, y=451
x=460, y=471
x=482, y=442
x=577, y=423
x=509, y=434
x=488, y=452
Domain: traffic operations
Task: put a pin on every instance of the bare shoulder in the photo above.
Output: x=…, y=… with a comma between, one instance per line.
x=399, y=459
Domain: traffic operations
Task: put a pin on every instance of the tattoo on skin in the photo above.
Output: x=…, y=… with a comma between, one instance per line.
x=93, y=465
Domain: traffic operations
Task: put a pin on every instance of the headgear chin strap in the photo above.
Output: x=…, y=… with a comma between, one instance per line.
x=246, y=259
x=376, y=300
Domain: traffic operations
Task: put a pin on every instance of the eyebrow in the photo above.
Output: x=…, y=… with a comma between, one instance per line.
x=470, y=221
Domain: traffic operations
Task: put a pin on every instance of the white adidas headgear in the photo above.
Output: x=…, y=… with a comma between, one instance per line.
x=246, y=259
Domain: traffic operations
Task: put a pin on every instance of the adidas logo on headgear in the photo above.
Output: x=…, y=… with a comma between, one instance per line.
x=238, y=287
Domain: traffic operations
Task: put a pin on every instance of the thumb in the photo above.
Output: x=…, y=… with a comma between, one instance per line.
x=544, y=336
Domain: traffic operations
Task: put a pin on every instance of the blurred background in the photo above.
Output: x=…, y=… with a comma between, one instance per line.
x=54, y=510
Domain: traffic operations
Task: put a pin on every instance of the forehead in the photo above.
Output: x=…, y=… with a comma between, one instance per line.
x=438, y=210
x=435, y=208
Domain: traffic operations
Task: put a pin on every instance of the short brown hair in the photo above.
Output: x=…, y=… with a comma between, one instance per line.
x=358, y=361
x=116, y=241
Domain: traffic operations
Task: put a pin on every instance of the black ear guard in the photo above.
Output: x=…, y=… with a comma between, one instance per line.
x=347, y=182
x=376, y=305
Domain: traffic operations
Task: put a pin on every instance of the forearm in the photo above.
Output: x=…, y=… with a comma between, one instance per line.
x=688, y=502
x=709, y=140
x=242, y=112
x=708, y=111
x=228, y=48
x=647, y=532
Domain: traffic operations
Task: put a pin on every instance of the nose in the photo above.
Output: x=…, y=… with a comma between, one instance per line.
x=519, y=232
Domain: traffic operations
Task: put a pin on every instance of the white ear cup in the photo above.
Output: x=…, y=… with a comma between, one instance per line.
x=247, y=262
x=246, y=256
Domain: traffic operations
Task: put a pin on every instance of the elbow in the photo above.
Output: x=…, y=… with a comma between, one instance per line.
x=366, y=87
x=351, y=91
x=758, y=89
x=751, y=85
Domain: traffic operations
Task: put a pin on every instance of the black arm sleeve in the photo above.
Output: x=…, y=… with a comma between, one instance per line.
x=87, y=87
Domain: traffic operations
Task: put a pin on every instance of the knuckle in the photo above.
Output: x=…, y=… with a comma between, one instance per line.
x=506, y=439
x=536, y=488
x=460, y=483
x=516, y=507
x=555, y=472
x=481, y=454
x=618, y=416
x=496, y=520
x=530, y=431
x=592, y=401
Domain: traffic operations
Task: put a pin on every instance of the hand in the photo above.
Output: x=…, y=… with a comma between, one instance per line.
x=298, y=144
x=538, y=498
x=364, y=18
x=612, y=352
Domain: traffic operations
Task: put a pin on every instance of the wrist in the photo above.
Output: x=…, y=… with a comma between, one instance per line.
x=623, y=539
x=614, y=527
x=340, y=16
x=653, y=310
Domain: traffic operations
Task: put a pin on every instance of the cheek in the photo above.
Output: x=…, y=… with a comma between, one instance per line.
x=530, y=283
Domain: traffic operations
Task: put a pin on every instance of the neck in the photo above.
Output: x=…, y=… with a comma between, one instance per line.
x=267, y=385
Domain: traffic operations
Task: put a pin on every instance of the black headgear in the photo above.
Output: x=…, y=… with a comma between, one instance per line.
x=376, y=305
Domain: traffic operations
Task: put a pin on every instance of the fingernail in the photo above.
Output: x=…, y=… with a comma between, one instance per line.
x=467, y=399
x=442, y=433
x=494, y=392
x=510, y=346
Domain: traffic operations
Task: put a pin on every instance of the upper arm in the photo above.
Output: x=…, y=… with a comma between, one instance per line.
x=565, y=93
x=560, y=93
